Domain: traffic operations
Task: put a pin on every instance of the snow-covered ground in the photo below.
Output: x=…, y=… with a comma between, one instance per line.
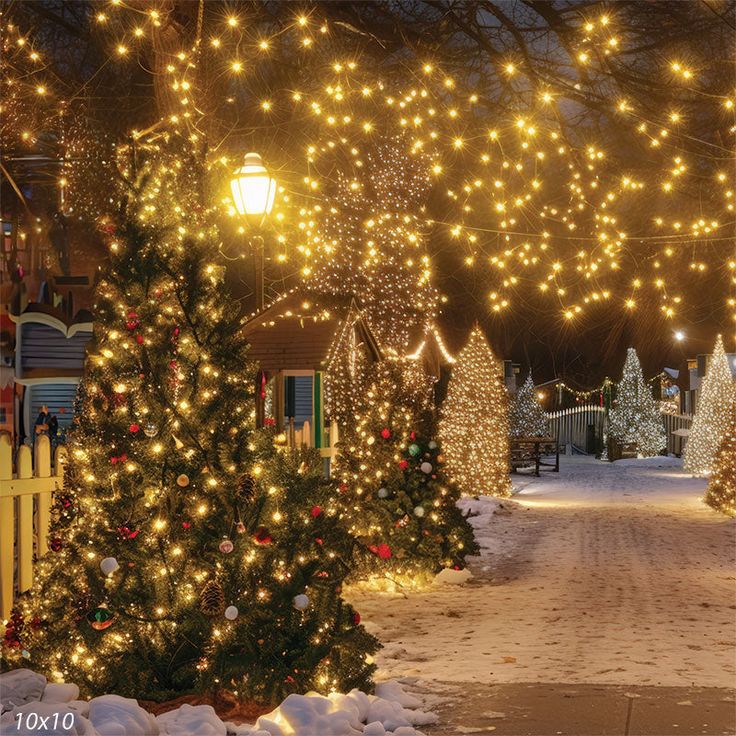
x=604, y=573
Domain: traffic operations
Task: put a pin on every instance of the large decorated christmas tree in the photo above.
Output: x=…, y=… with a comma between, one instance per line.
x=190, y=552
x=715, y=403
x=395, y=496
x=526, y=415
x=474, y=424
x=636, y=419
x=721, y=492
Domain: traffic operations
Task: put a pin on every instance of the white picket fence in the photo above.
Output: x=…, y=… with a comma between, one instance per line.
x=570, y=426
x=25, y=512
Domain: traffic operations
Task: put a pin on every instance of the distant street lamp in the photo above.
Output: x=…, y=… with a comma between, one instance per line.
x=254, y=190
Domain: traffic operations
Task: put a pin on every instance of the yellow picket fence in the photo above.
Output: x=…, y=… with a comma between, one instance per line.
x=25, y=512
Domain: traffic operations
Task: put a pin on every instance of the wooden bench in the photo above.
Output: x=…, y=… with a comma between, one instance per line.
x=530, y=452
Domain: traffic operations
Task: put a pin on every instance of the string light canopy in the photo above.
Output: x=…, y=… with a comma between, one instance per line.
x=542, y=216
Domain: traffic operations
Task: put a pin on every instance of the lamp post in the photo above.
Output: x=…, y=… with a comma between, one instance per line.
x=253, y=191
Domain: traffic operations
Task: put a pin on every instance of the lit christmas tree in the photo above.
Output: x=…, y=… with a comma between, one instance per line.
x=474, y=425
x=526, y=415
x=395, y=496
x=369, y=241
x=191, y=553
x=636, y=419
x=712, y=412
x=721, y=492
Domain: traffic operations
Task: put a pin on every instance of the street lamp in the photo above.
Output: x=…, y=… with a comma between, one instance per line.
x=254, y=190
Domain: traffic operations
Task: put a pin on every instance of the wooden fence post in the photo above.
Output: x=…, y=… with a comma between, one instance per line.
x=7, y=528
x=24, y=463
x=42, y=469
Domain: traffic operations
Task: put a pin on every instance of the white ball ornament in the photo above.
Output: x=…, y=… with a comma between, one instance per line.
x=301, y=601
x=426, y=468
x=109, y=565
x=383, y=493
x=432, y=445
x=226, y=546
x=231, y=613
x=419, y=511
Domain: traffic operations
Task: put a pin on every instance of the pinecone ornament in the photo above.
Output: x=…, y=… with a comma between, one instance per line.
x=247, y=488
x=212, y=598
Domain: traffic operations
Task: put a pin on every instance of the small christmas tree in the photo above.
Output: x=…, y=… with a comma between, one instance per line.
x=715, y=403
x=192, y=554
x=636, y=419
x=395, y=497
x=526, y=416
x=474, y=425
x=721, y=492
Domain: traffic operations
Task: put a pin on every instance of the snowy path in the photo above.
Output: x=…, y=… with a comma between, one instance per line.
x=613, y=574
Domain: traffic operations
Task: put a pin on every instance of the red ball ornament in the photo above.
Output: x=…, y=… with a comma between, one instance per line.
x=385, y=433
x=356, y=618
x=382, y=550
x=316, y=511
x=262, y=536
x=134, y=428
x=185, y=525
x=55, y=544
x=404, y=464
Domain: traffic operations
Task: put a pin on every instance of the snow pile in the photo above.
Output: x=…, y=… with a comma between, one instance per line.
x=343, y=715
x=31, y=706
x=450, y=576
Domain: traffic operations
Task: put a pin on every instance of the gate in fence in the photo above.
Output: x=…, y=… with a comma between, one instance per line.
x=579, y=426
x=25, y=512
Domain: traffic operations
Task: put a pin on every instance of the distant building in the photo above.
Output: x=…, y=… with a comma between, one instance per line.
x=48, y=362
x=291, y=340
x=697, y=368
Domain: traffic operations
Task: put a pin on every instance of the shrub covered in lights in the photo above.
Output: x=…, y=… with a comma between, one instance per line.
x=636, y=419
x=190, y=552
x=474, y=424
x=721, y=492
x=526, y=415
x=716, y=400
x=395, y=496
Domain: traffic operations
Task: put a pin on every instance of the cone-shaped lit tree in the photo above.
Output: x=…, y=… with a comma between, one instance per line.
x=721, y=493
x=526, y=416
x=636, y=419
x=191, y=553
x=474, y=424
x=715, y=403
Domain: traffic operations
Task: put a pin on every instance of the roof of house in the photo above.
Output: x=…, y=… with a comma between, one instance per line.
x=297, y=330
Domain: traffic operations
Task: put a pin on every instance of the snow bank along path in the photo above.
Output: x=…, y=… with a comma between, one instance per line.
x=31, y=706
x=606, y=573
